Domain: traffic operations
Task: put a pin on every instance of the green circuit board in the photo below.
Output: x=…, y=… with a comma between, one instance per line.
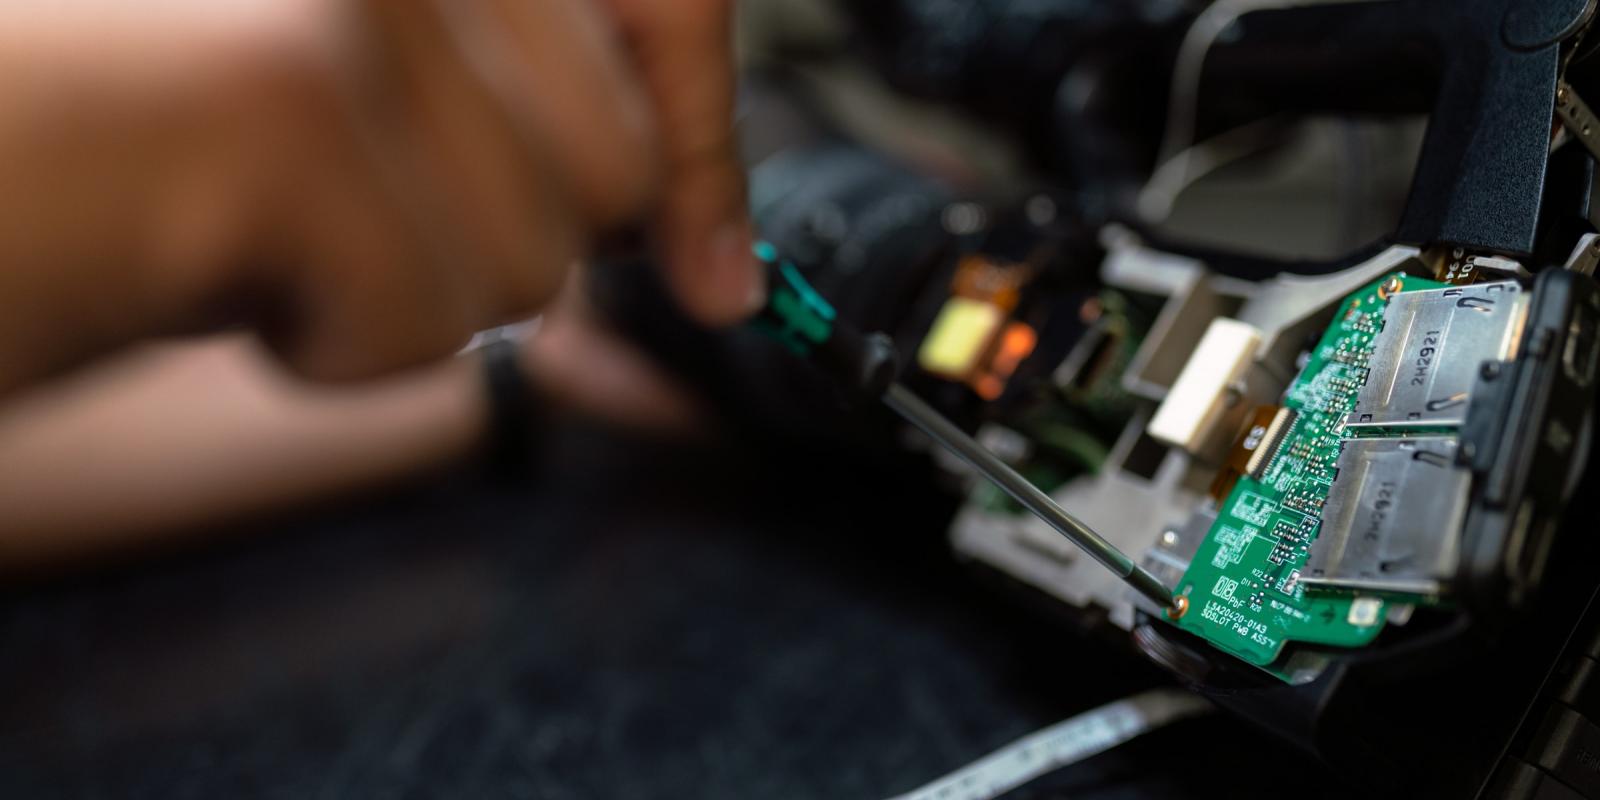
x=1243, y=584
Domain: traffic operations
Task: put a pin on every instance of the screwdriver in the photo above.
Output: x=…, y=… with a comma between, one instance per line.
x=801, y=320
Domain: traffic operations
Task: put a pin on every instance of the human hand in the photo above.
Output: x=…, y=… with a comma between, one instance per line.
x=369, y=181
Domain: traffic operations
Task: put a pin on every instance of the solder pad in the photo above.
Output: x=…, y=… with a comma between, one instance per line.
x=1244, y=584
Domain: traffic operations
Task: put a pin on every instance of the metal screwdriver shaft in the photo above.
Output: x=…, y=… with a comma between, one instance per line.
x=943, y=431
x=805, y=323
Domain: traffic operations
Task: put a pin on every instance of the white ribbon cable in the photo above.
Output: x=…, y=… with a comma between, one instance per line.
x=1064, y=743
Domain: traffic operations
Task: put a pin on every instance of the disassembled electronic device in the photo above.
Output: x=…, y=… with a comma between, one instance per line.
x=1360, y=474
x=1336, y=506
x=1351, y=501
x=1359, y=464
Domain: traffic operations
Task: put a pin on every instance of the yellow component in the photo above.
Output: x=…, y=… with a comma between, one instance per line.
x=960, y=335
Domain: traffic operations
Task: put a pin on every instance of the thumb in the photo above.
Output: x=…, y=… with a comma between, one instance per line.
x=684, y=50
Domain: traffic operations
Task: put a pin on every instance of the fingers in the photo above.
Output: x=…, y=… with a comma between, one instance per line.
x=559, y=69
x=458, y=191
x=442, y=163
x=684, y=51
x=475, y=175
x=579, y=363
x=388, y=176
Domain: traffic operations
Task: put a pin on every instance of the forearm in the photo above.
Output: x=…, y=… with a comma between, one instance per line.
x=173, y=437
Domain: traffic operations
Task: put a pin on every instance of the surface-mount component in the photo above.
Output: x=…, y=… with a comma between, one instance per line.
x=962, y=332
x=1245, y=582
x=1271, y=442
x=1392, y=520
x=1427, y=355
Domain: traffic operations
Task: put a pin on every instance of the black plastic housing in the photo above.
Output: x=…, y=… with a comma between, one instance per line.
x=1434, y=706
x=1526, y=439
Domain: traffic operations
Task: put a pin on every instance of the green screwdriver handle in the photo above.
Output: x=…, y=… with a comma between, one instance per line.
x=806, y=324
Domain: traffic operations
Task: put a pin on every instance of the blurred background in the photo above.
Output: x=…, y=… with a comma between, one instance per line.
x=696, y=571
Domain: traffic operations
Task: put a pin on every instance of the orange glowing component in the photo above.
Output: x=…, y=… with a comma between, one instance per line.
x=981, y=277
x=988, y=387
x=1016, y=344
